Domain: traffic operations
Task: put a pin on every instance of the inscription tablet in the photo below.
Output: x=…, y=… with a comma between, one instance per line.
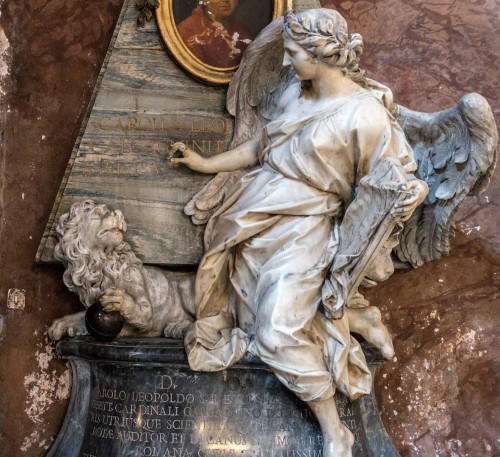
x=174, y=412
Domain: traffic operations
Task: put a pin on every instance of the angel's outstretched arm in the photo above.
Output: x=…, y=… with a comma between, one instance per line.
x=243, y=156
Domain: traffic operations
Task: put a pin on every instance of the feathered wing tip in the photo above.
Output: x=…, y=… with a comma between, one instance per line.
x=456, y=153
x=252, y=97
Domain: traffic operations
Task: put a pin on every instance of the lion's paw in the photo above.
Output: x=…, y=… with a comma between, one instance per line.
x=70, y=325
x=177, y=329
x=116, y=299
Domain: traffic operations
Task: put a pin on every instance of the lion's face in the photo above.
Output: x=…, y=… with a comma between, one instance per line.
x=92, y=248
x=102, y=229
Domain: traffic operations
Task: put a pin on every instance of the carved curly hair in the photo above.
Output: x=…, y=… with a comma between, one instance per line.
x=89, y=272
x=323, y=34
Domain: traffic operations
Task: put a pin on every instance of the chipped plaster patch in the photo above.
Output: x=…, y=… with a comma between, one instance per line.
x=4, y=71
x=4, y=52
x=468, y=229
x=2, y=327
x=30, y=441
x=4, y=47
x=420, y=392
x=35, y=439
x=43, y=387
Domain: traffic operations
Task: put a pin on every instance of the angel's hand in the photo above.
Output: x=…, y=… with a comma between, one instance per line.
x=189, y=158
x=415, y=191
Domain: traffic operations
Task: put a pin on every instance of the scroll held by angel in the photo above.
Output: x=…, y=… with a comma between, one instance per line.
x=308, y=204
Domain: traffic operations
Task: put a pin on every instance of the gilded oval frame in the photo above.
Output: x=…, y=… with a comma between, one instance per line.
x=184, y=57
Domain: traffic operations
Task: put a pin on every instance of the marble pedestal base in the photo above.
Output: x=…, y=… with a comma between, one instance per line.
x=138, y=398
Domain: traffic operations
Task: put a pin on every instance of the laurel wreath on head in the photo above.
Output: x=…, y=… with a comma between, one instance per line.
x=330, y=46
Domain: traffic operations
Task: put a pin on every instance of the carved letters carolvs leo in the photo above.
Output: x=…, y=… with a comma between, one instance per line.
x=336, y=186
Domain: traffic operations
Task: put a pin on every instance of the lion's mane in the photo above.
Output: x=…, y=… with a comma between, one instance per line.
x=89, y=272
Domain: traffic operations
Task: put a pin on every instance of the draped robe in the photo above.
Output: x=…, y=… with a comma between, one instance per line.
x=268, y=249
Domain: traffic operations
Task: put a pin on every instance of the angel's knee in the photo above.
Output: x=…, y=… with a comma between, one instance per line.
x=268, y=339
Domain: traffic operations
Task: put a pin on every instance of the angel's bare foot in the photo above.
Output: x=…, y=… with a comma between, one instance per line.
x=70, y=325
x=338, y=446
x=368, y=323
x=337, y=439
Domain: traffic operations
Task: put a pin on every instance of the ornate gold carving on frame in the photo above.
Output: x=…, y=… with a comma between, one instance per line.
x=182, y=55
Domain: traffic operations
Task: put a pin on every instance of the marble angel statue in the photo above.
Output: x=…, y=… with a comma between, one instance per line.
x=293, y=222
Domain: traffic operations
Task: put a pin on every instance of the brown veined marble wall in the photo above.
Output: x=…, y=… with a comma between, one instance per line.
x=438, y=397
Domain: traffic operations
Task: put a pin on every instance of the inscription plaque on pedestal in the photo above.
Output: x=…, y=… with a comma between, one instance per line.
x=135, y=398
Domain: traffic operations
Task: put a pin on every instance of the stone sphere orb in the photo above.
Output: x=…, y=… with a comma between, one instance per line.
x=101, y=325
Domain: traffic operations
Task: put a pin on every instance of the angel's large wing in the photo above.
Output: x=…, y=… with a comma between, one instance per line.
x=456, y=153
x=252, y=98
x=258, y=84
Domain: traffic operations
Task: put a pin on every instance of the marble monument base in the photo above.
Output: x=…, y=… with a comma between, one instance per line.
x=138, y=398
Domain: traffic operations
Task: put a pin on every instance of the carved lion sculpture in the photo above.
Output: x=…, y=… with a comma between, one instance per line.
x=100, y=266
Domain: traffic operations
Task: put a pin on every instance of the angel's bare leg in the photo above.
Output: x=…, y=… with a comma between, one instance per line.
x=368, y=323
x=337, y=439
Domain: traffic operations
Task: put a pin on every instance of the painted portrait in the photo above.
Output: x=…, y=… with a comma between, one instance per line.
x=208, y=37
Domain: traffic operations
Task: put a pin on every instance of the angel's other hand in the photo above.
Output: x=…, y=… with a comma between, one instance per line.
x=415, y=192
x=189, y=158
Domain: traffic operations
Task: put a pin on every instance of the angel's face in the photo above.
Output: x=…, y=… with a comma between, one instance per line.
x=297, y=57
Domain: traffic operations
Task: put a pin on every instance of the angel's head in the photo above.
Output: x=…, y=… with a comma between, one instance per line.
x=321, y=35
